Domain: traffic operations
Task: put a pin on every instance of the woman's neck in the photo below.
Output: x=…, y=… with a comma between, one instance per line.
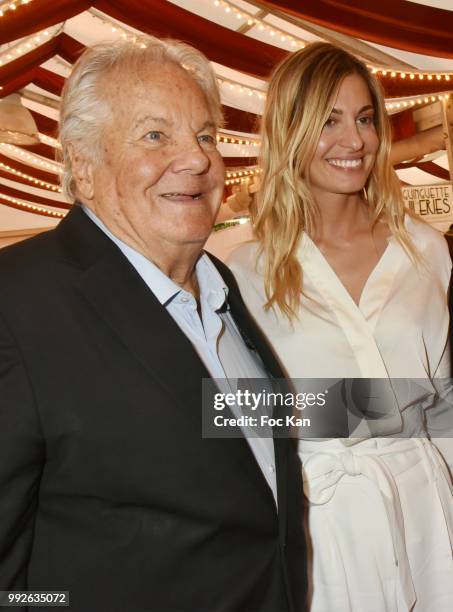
x=341, y=216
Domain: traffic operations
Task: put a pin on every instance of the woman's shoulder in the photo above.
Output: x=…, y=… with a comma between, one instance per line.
x=244, y=257
x=433, y=248
x=426, y=237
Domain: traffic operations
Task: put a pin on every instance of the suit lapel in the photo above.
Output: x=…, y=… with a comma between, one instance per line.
x=134, y=314
x=251, y=332
x=120, y=297
x=117, y=293
x=255, y=338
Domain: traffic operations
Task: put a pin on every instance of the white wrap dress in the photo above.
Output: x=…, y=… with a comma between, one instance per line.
x=380, y=516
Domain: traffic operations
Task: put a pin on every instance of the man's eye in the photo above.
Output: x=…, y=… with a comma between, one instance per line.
x=154, y=135
x=207, y=138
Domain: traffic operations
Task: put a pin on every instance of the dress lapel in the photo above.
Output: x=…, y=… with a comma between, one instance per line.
x=357, y=328
x=378, y=287
x=358, y=325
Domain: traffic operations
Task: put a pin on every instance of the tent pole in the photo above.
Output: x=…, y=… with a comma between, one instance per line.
x=447, y=125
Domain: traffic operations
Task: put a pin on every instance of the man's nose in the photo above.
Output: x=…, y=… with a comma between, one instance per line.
x=191, y=158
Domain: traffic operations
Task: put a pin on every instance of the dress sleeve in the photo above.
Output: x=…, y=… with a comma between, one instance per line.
x=439, y=416
x=21, y=460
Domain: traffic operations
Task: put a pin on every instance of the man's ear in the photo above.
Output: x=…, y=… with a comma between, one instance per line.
x=82, y=172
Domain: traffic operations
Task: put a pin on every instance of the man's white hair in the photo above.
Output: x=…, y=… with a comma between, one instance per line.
x=84, y=109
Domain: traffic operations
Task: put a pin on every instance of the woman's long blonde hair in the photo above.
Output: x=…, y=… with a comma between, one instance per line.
x=302, y=92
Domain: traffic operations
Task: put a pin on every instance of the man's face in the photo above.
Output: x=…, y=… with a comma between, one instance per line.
x=160, y=180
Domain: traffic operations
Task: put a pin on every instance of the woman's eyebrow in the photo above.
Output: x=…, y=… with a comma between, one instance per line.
x=364, y=108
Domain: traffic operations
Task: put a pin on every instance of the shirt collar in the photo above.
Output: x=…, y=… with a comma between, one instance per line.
x=212, y=286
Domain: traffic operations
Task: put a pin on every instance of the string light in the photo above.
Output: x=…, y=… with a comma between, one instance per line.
x=242, y=173
x=236, y=181
x=32, y=207
x=32, y=179
x=403, y=74
x=48, y=140
x=241, y=176
x=115, y=28
x=409, y=102
x=36, y=160
x=294, y=41
x=12, y=6
x=228, y=139
x=242, y=89
x=26, y=45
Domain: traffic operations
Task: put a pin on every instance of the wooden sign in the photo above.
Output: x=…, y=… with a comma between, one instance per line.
x=433, y=203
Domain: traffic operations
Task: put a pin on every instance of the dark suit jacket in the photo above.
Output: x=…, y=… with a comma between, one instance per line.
x=106, y=487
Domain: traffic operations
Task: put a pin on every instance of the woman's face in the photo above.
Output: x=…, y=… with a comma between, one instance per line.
x=347, y=147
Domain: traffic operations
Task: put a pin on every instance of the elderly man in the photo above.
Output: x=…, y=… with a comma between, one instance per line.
x=107, y=326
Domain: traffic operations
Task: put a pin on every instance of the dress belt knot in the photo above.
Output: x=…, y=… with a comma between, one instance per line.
x=322, y=473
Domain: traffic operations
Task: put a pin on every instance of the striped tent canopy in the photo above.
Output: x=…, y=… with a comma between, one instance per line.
x=407, y=44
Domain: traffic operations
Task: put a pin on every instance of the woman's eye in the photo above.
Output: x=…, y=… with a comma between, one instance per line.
x=330, y=122
x=367, y=120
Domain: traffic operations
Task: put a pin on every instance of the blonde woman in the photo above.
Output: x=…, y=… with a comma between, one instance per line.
x=347, y=285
